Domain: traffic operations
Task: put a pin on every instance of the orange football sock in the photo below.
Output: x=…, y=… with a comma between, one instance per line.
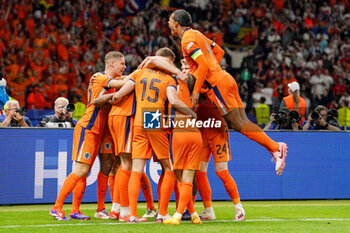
x=78, y=194
x=177, y=193
x=116, y=193
x=185, y=196
x=190, y=207
x=166, y=191
x=194, y=197
x=204, y=188
x=111, y=186
x=102, y=182
x=159, y=186
x=230, y=185
x=124, y=187
x=69, y=184
x=147, y=191
x=134, y=189
x=255, y=133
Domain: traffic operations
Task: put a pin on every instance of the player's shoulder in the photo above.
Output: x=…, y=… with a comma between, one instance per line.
x=99, y=74
x=191, y=34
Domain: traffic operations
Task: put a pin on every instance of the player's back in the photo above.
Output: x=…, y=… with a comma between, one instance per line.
x=95, y=118
x=150, y=89
x=193, y=41
x=125, y=107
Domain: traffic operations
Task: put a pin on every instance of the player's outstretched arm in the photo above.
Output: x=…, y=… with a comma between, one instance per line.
x=163, y=64
x=118, y=83
x=177, y=103
x=128, y=87
x=200, y=75
x=102, y=100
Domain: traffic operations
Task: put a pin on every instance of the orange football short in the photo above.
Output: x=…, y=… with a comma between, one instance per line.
x=122, y=128
x=107, y=145
x=185, y=150
x=225, y=95
x=145, y=142
x=85, y=145
x=216, y=143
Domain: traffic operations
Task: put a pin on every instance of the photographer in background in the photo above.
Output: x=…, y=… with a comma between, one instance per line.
x=14, y=115
x=283, y=120
x=293, y=101
x=322, y=119
x=62, y=117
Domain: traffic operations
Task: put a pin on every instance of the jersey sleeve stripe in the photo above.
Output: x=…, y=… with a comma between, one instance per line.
x=109, y=82
x=172, y=86
x=196, y=54
x=101, y=93
x=132, y=81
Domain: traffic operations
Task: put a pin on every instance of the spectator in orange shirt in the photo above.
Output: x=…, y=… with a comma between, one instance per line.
x=30, y=24
x=38, y=67
x=18, y=87
x=49, y=91
x=217, y=36
x=61, y=88
x=35, y=99
x=62, y=51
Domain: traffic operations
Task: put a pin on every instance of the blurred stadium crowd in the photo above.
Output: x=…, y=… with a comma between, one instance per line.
x=51, y=48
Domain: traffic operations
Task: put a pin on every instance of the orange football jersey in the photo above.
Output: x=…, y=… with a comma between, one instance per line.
x=150, y=89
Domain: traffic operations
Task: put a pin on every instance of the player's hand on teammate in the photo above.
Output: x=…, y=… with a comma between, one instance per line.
x=115, y=98
x=182, y=76
x=146, y=62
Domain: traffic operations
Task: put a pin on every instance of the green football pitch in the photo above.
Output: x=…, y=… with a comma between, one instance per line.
x=261, y=216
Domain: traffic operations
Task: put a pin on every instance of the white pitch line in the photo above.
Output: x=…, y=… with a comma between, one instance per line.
x=186, y=222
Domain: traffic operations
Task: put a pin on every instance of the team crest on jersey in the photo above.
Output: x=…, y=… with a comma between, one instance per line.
x=86, y=155
x=151, y=120
x=107, y=146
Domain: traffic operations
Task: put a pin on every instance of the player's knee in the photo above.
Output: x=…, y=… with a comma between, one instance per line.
x=166, y=164
x=204, y=166
x=81, y=169
x=126, y=161
x=220, y=166
x=138, y=165
x=106, y=163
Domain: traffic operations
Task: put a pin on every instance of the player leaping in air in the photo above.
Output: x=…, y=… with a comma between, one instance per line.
x=203, y=56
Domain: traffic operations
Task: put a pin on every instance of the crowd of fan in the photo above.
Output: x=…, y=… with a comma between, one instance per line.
x=51, y=48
